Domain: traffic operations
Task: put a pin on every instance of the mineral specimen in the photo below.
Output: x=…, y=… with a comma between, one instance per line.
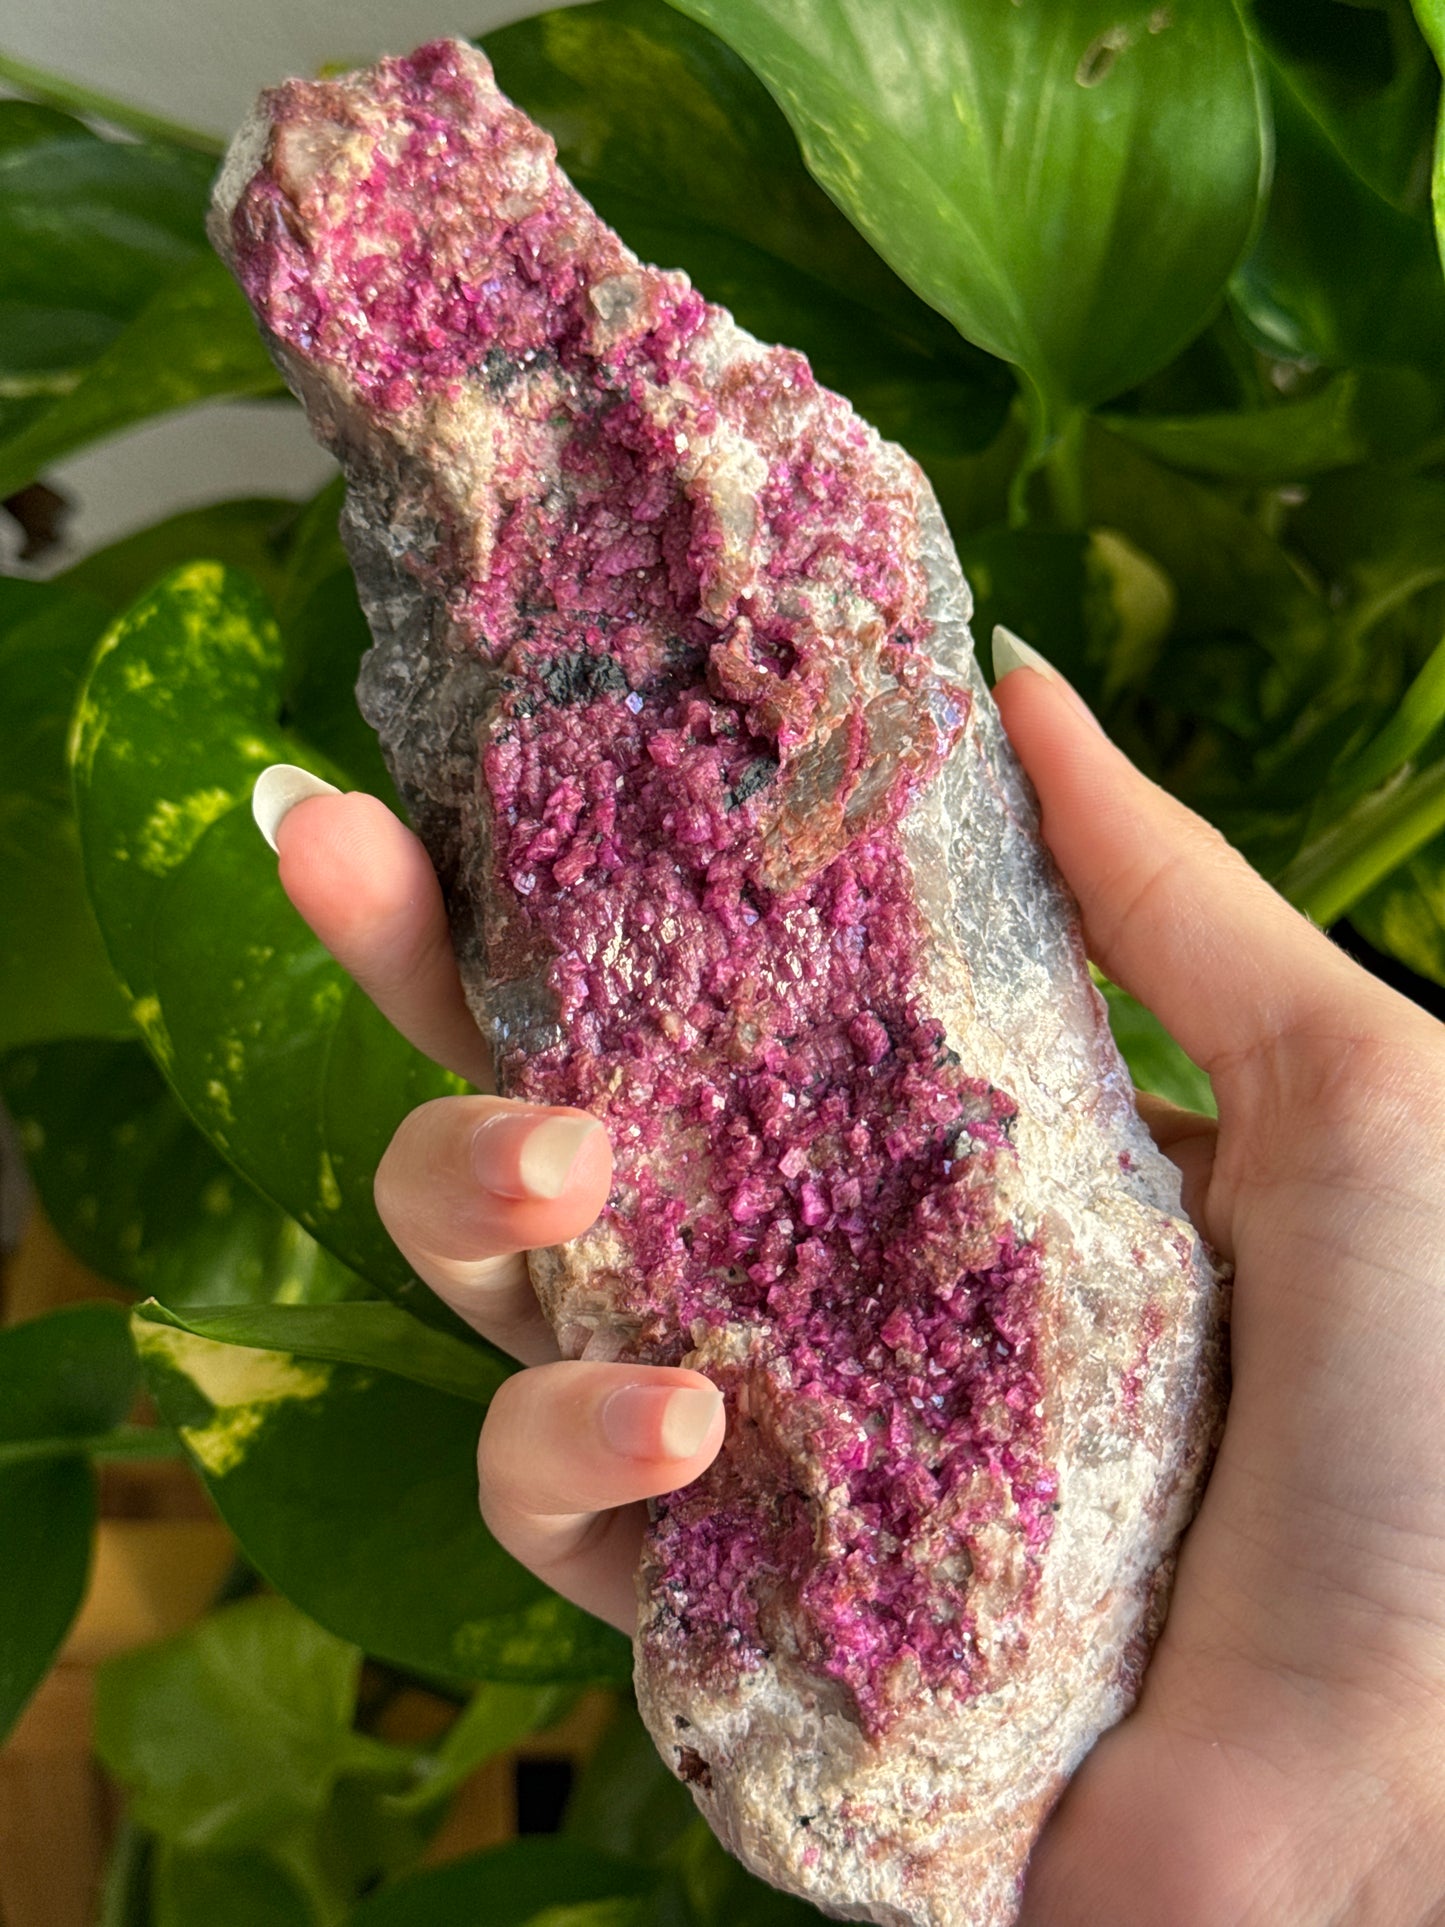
x=673, y=669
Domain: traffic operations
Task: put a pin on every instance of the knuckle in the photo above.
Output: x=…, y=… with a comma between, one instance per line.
x=419, y=1151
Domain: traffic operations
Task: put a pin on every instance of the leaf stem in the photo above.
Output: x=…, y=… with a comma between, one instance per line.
x=1421, y=711
x=56, y=90
x=1064, y=466
x=124, y=1442
x=1056, y=449
x=1336, y=868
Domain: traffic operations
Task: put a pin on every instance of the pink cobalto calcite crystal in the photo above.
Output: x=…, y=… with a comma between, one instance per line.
x=673, y=669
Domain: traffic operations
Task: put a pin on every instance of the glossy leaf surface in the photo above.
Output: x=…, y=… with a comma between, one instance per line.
x=354, y=1492
x=1071, y=185
x=1264, y=446
x=287, y=1068
x=135, y=1190
x=1338, y=274
x=371, y=1335
x=193, y=341
x=98, y=225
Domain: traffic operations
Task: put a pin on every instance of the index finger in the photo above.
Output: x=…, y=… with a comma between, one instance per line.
x=366, y=886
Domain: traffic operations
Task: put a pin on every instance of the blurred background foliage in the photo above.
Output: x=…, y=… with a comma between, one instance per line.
x=1154, y=294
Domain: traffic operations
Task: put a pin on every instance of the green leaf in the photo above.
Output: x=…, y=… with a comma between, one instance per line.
x=680, y=148
x=1431, y=16
x=71, y=1374
x=43, y=354
x=1072, y=185
x=55, y=980
x=326, y=636
x=1366, y=845
x=47, y=1516
x=136, y=1191
x=1337, y=275
x=1156, y=1063
x=1377, y=536
x=377, y=1336
x=24, y=122
x=288, y=1069
x=626, y=1800
x=245, y=534
x=722, y=1893
x=98, y=225
x=1364, y=74
x=595, y=1913
x=193, y=341
x=507, y=1887
x=1034, y=582
x=354, y=1492
x=1262, y=447
x=225, y=1890
x=233, y=1731
x=1228, y=572
x=493, y=1720
x=1405, y=915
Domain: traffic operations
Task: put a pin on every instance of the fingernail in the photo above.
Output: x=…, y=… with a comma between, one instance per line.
x=279, y=788
x=1012, y=652
x=516, y=1154
x=659, y=1421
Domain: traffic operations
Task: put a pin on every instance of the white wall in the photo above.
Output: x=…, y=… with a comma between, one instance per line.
x=202, y=62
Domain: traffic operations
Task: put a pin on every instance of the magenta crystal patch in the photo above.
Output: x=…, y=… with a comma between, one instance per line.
x=694, y=763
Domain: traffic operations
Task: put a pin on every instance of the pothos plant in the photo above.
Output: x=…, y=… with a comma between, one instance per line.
x=1152, y=292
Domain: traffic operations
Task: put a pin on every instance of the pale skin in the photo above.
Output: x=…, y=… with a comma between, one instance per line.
x=1286, y=1763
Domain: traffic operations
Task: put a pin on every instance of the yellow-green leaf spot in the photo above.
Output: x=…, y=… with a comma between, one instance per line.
x=217, y=1198
x=244, y=1386
x=172, y=830
x=212, y=623
x=220, y=1098
x=152, y=1026
x=327, y=1189
x=88, y=724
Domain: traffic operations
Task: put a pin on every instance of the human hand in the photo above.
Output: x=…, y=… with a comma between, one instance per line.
x=570, y=1450
x=1284, y=1762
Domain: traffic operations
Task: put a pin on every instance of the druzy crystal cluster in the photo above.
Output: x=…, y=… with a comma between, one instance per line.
x=672, y=668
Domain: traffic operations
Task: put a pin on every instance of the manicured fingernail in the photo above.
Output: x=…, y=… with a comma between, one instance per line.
x=659, y=1421
x=278, y=790
x=519, y=1154
x=1012, y=652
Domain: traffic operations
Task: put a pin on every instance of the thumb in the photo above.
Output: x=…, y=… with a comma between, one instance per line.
x=1170, y=911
